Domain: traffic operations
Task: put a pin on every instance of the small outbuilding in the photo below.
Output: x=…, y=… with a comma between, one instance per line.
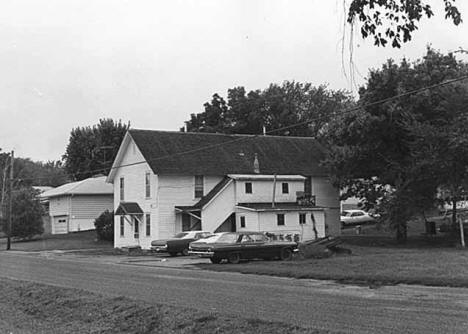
x=74, y=206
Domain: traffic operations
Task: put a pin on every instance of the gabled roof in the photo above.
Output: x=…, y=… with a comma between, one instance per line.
x=189, y=153
x=91, y=186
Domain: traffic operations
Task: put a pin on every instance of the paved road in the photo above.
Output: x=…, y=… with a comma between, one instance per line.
x=318, y=304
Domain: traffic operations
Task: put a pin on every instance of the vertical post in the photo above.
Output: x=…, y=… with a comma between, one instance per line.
x=274, y=192
x=462, y=231
x=12, y=157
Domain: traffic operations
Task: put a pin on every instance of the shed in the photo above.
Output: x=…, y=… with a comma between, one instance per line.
x=74, y=206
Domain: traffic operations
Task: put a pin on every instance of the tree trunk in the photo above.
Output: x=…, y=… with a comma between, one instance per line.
x=454, y=213
x=402, y=233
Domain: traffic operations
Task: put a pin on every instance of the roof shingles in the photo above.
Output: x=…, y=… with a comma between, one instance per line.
x=221, y=154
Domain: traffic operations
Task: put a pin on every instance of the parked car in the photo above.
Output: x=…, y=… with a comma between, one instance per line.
x=179, y=243
x=214, y=238
x=234, y=246
x=355, y=217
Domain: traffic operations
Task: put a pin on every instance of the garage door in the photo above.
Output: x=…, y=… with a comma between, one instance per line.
x=60, y=225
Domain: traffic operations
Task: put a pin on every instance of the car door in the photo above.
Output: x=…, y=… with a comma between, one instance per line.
x=358, y=217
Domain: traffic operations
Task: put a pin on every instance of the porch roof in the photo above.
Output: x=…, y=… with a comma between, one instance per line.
x=128, y=208
x=281, y=206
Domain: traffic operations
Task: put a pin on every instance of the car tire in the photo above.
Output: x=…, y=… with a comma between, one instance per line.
x=286, y=254
x=215, y=260
x=233, y=258
x=173, y=254
x=185, y=252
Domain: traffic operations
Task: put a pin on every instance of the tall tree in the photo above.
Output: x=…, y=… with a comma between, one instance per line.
x=26, y=213
x=384, y=144
x=394, y=21
x=276, y=107
x=91, y=150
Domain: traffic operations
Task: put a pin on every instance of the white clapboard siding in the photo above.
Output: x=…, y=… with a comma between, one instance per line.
x=90, y=206
x=59, y=206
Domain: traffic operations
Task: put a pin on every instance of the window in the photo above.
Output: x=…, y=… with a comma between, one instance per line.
x=198, y=186
x=148, y=185
x=280, y=219
x=285, y=187
x=137, y=228
x=248, y=187
x=122, y=188
x=242, y=221
x=122, y=226
x=148, y=224
x=302, y=218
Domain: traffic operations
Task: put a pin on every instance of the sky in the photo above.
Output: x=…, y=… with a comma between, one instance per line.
x=65, y=64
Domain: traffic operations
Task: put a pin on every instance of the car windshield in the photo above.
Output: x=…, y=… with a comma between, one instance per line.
x=180, y=235
x=229, y=238
x=346, y=213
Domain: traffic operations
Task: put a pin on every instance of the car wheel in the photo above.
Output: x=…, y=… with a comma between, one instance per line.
x=172, y=254
x=215, y=260
x=286, y=254
x=233, y=258
x=185, y=252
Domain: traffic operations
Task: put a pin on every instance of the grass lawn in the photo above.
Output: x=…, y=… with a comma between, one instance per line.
x=375, y=260
x=36, y=308
x=75, y=240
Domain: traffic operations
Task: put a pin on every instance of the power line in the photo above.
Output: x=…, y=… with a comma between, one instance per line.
x=245, y=137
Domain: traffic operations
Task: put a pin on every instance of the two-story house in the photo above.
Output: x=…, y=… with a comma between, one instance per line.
x=167, y=182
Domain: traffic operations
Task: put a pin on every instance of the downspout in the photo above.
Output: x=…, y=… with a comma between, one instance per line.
x=70, y=217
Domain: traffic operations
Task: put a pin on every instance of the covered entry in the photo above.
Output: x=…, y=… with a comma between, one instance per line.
x=191, y=218
x=132, y=213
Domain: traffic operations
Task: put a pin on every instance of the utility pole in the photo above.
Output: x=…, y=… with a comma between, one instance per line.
x=12, y=157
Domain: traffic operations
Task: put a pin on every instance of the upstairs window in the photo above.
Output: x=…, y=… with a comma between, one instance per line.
x=285, y=188
x=248, y=187
x=198, y=186
x=280, y=219
x=122, y=189
x=148, y=185
x=302, y=218
x=308, y=186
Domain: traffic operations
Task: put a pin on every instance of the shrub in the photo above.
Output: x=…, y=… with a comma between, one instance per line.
x=105, y=226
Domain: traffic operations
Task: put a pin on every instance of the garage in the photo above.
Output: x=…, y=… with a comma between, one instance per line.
x=60, y=225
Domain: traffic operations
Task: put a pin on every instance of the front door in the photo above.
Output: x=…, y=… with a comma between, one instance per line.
x=186, y=222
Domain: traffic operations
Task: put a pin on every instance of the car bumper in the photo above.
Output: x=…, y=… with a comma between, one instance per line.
x=201, y=253
x=159, y=249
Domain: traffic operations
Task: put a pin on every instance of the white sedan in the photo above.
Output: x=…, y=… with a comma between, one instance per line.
x=355, y=217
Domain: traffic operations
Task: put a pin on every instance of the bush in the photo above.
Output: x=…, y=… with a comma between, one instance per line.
x=105, y=226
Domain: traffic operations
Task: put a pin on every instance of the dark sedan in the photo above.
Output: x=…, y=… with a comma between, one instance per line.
x=179, y=243
x=244, y=245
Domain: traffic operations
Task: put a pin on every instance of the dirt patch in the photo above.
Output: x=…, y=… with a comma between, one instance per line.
x=37, y=308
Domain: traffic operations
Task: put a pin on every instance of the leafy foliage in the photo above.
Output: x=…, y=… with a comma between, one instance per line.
x=91, y=150
x=105, y=225
x=27, y=213
x=400, y=152
x=275, y=107
x=394, y=20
